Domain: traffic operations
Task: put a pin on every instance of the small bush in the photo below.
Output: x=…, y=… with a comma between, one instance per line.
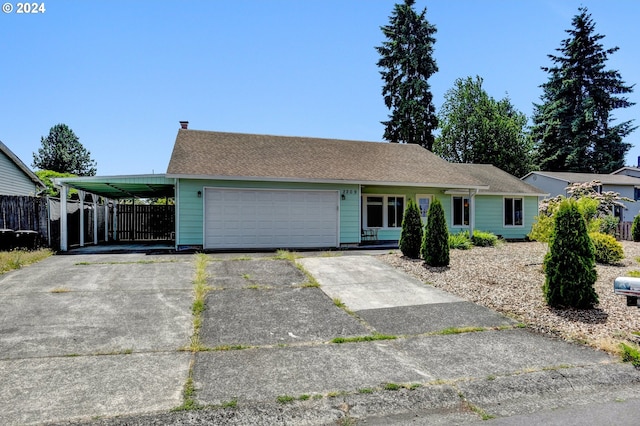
x=435, y=243
x=484, y=239
x=411, y=235
x=460, y=241
x=609, y=225
x=635, y=229
x=608, y=251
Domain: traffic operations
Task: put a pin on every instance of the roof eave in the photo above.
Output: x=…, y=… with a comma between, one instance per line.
x=330, y=181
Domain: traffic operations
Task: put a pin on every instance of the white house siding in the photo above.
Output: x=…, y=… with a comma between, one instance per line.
x=13, y=181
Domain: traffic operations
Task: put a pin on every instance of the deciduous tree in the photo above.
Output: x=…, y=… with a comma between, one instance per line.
x=475, y=128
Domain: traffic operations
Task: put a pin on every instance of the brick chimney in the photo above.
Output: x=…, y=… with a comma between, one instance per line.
x=184, y=124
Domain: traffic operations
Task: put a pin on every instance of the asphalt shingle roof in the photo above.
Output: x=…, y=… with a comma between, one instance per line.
x=571, y=177
x=499, y=181
x=207, y=154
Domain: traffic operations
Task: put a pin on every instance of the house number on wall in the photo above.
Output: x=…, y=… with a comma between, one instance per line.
x=348, y=191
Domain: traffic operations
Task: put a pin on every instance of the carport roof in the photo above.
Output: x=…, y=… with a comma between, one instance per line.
x=116, y=187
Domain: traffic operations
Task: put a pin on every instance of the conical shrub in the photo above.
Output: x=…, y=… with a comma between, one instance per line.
x=570, y=262
x=411, y=235
x=435, y=241
x=635, y=228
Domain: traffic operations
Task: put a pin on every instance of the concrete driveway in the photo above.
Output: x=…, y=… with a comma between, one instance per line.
x=99, y=339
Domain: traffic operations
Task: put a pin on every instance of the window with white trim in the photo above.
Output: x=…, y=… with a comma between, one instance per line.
x=460, y=211
x=424, y=201
x=382, y=211
x=513, y=211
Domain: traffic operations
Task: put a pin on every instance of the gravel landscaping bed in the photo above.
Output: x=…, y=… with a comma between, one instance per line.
x=509, y=278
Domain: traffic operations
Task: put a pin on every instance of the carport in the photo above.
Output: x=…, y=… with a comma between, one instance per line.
x=109, y=188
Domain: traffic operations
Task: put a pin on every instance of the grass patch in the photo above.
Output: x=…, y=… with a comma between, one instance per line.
x=285, y=399
x=630, y=353
x=230, y=348
x=392, y=386
x=242, y=258
x=304, y=397
x=330, y=254
x=59, y=290
x=230, y=404
x=339, y=303
x=365, y=390
x=16, y=259
x=460, y=330
x=188, y=393
x=634, y=274
x=286, y=255
x=246, y=276
x=200, y=290
x=370, y=338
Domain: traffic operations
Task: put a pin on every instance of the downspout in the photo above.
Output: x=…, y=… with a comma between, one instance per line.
x=176, y=230
x=472, y=210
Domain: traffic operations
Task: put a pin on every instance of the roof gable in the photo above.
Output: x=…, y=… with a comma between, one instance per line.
x=20, y=165
x=205, y=154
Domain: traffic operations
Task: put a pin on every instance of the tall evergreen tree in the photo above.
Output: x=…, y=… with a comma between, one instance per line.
x=406, y=59
x=62, y=152
x=476, y=128
x=574, y=126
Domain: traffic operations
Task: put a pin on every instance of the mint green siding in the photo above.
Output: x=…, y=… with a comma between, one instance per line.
x=490, y=216
x=190, y=208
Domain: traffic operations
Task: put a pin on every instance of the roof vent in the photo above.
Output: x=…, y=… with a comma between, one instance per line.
x=184, y=124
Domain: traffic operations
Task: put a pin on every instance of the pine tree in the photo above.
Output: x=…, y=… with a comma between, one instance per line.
x=435, y=242
x=574, y=127
x=570, y=263
x=411, y=235
x=62, y=152
x=406, y=59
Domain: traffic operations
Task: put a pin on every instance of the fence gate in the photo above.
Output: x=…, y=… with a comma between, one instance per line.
x=142, y=222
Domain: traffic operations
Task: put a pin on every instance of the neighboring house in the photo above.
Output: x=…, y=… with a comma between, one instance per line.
x=15, y=177
x=246, y=191
x=556, y=183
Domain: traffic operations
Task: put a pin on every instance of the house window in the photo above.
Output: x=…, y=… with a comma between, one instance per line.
x=636, y=194
x=383, y=211
x=460, y=211
x=513, y=212
x=395, y=210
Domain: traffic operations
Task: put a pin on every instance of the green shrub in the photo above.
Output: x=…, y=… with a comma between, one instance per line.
x=606, y=249
x=484, y=239
x=570, y=263
x=635, y=229
x=411, y=235
x=460, y=241
x=435, y=242
x=542, y=228
x=609, y=225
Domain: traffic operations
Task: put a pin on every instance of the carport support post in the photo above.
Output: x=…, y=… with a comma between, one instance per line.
x=106, y=220
x=94, y=197
x=63, y=218
x=81, y=195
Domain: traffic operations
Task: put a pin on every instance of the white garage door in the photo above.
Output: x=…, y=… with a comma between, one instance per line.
x=256, y=218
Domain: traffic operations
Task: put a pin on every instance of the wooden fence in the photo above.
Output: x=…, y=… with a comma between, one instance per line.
x=144, y=222
x=624, y=231
x=25, y=214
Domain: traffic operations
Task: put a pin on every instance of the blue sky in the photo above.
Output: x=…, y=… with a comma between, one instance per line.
x=122, y=74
